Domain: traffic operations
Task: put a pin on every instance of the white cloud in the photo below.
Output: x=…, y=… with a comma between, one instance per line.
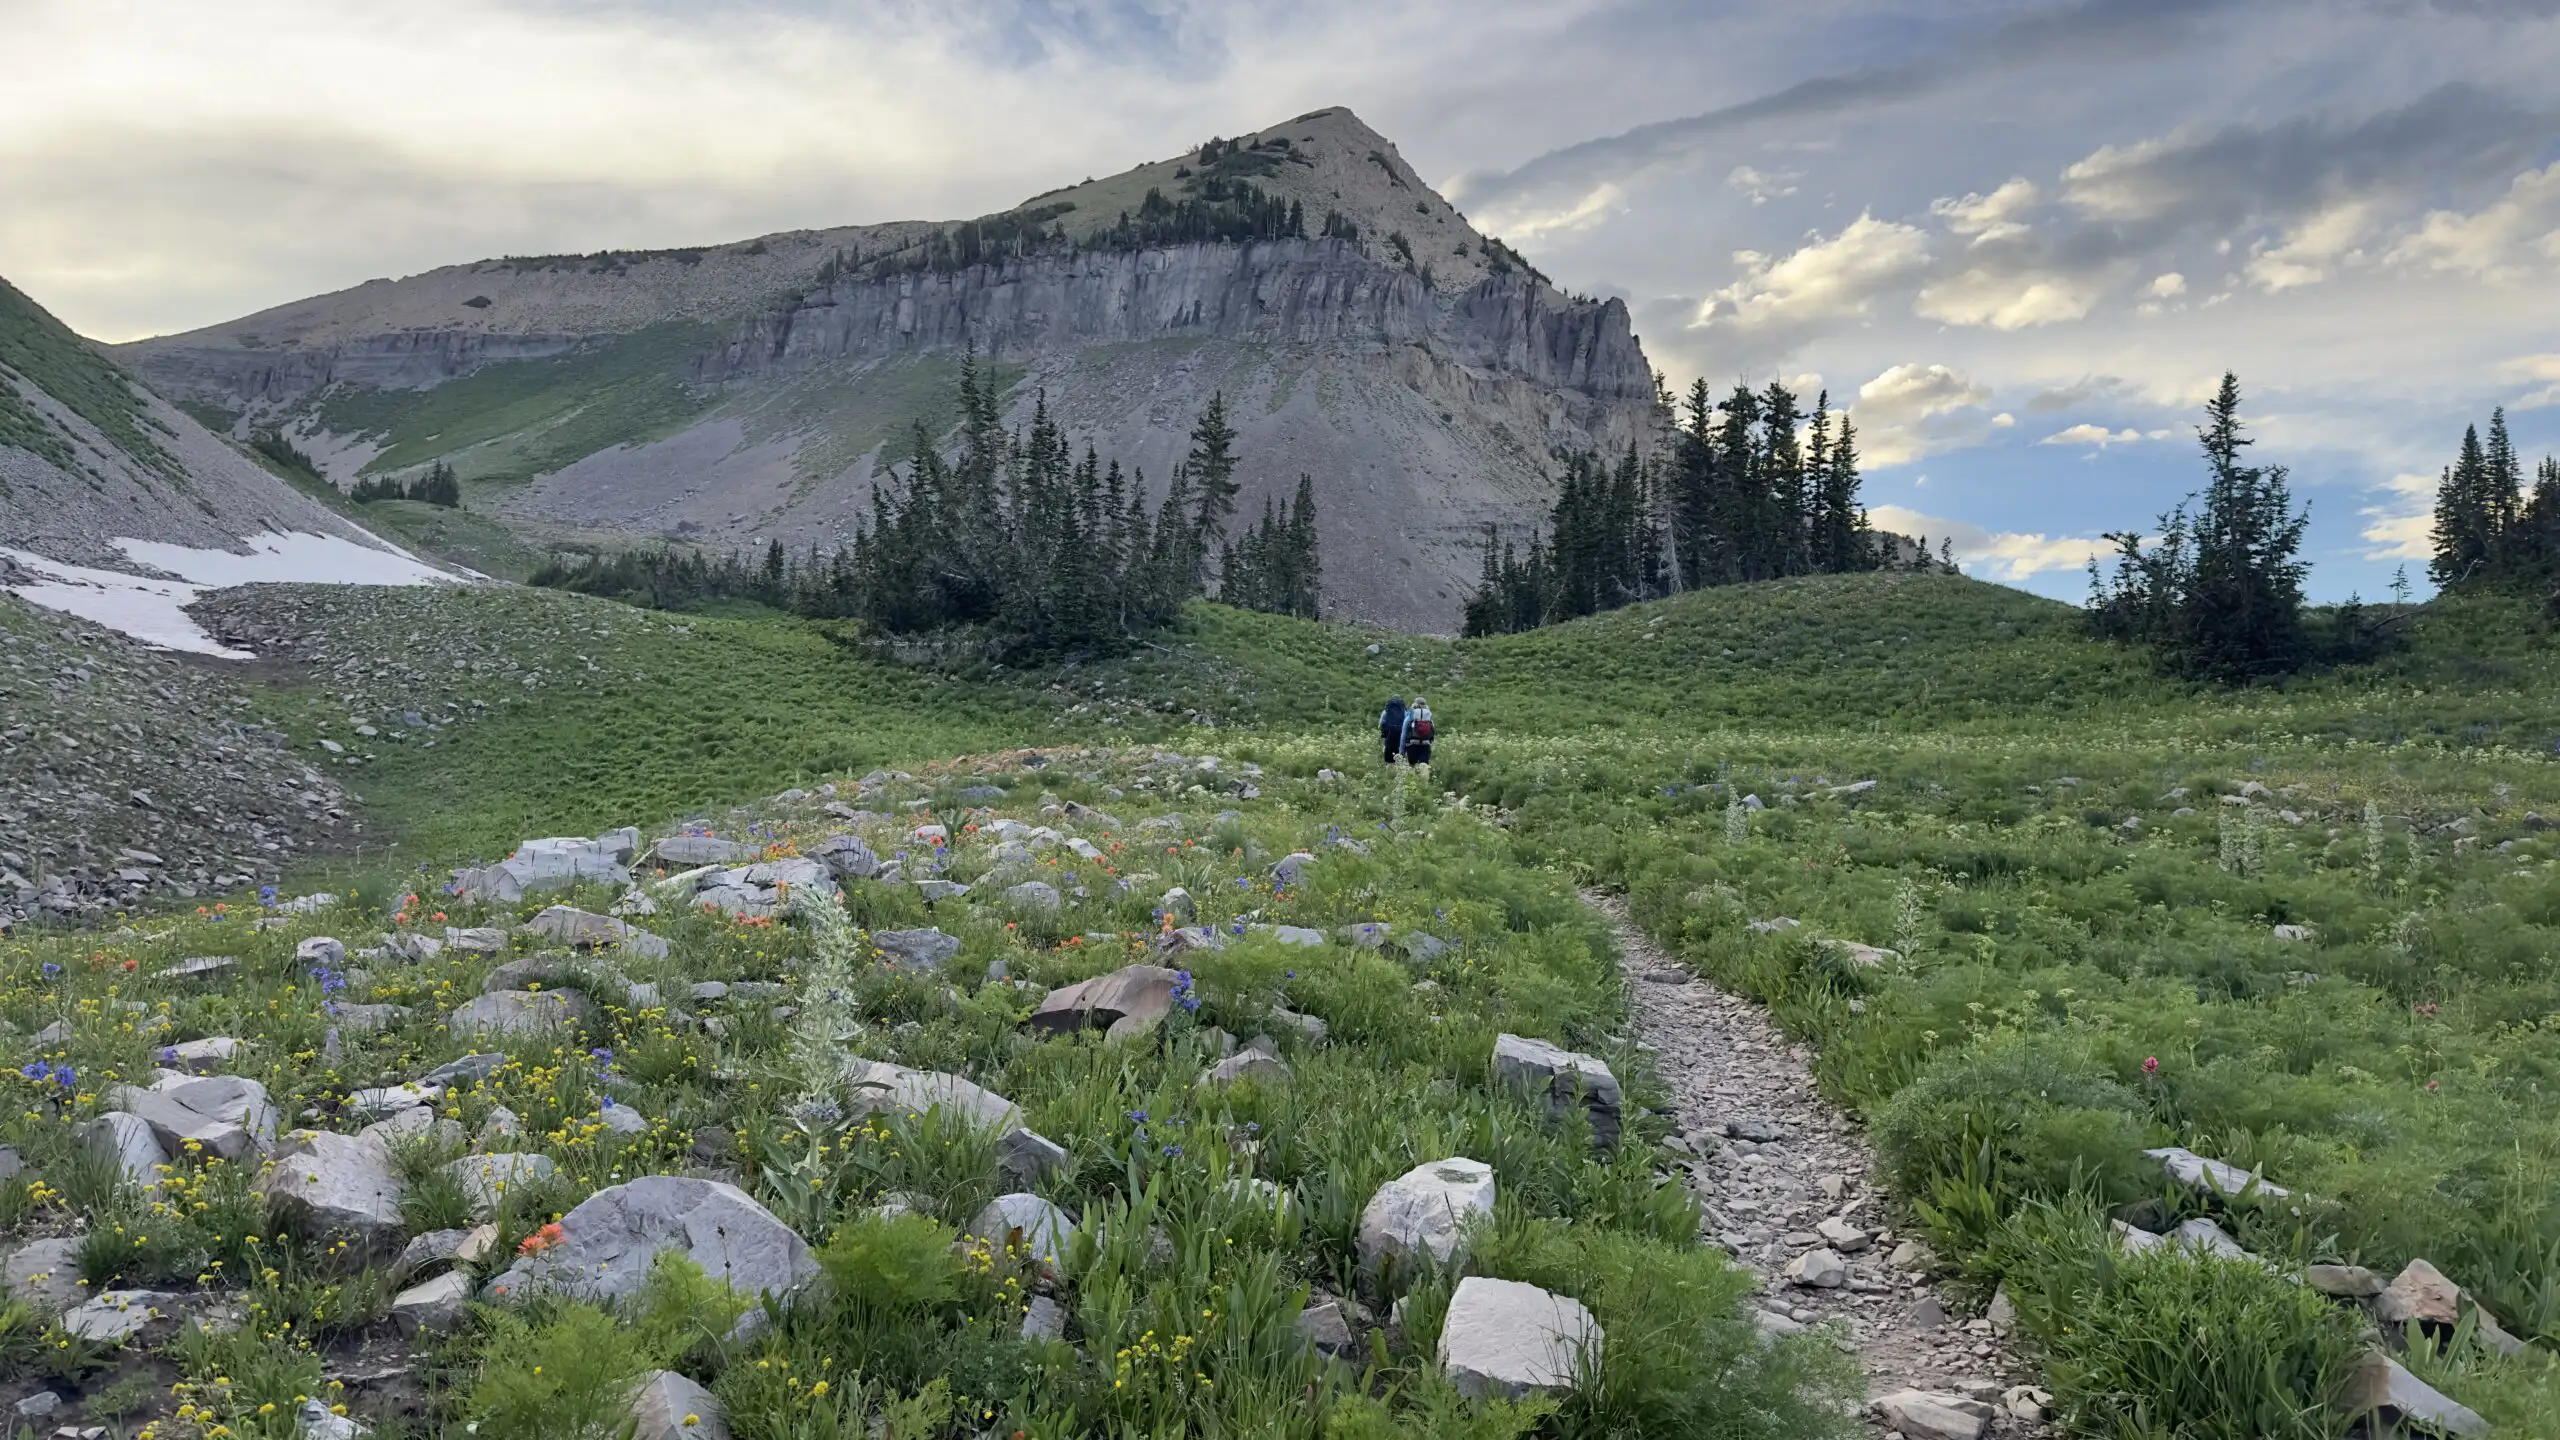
x=1830, y=279
x=1522, y=226
x=2315, y=249
x=2124, y=182
x=2004, y=300
x=2542, y=369
x=2096, y=435
x=1762, y=185
x=1914, y=410
x=2005, y=555
x=1993, y=216
x=2497, y=241
x=2169, y=286
x=2402, y=527
x=2003, y=420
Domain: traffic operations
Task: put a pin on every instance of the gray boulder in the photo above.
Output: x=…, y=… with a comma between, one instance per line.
x=1024, y=1158
x=1935, y=1415
x=1424, y=1213
x=1033, y=896
x=557, y=863
x=847, y=858
x=198, y=969
x=664, y=1403
x=610, y=1240
x=1290, y=868
x=1322, y=1327
x=130, y=1142
x=1561, y=1079
x=520, y=1013
x=1177, y=902
x=339, y=1187
x=1820, y=1268
x=1505, y=1340
x=919, y=949
x=1128, y=1001
x=486, y=1179
x=202, y=1057
x=1248, y=1064
x=320, y=950
x=586, y=930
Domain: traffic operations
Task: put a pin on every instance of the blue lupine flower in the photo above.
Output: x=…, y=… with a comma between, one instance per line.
x=608, y=1102
x=266, y=894
x=1253, y=1127
x=67, y=1077
x=51, y=970
x=1173, y=1152
x=1288, y=974
x=1138, y=1116
x=33, y=1069
x=169, y=1054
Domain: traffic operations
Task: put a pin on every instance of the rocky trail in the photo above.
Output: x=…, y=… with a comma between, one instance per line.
x=1788, y=1186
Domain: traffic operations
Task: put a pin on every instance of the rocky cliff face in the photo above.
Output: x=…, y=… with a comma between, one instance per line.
x=243, y=379
x=1285, y=292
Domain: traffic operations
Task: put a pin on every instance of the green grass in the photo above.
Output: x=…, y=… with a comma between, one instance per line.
x=1180, y=1293
x=45, y=353
x=2396, y=1069
x=519, y=418
x=842, y=411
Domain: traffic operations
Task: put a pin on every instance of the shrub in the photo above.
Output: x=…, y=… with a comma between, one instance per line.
x=2170, y=1342
x=2016, y=1118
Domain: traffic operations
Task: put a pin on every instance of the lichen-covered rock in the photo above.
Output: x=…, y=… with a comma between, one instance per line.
x=1425, y=1213
x=1126, y=1001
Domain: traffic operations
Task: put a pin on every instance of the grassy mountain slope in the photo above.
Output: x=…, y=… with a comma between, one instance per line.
x=87, y=456
x=2081, y=866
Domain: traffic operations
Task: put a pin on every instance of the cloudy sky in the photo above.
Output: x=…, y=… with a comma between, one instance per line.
x=2020, y=238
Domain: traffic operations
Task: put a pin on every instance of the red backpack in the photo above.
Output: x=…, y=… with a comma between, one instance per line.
x=1422, y=729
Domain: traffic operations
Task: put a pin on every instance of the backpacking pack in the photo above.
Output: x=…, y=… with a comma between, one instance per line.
x=1422, y=729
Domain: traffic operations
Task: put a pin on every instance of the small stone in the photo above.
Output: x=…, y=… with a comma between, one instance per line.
x=2421, y=1294
x=1844, y=1237
x=2003, y=1312
x=1039, y=1226
x=112, y=1316
x=1425, y=1212
x=1819, y=1268
x=1044, y=1319
x=667, y=1406
x=486, y=1179
x=38, y=1405
x=1928, y=1314
x=434, y=1306
x=1321, y=1327
x=1935, y=1415
x=2343, y=1282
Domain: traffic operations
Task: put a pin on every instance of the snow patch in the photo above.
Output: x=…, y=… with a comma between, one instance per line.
x=153, y=611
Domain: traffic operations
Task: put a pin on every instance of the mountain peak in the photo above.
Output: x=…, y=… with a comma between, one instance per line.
x=1332, y=164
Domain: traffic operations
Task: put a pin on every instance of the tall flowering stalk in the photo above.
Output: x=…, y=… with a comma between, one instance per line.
x=822, y=1055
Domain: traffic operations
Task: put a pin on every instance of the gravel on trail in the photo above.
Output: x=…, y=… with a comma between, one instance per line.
x=1781, y=1174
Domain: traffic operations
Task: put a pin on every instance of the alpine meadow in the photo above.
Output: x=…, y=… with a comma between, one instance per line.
x=1208, y=806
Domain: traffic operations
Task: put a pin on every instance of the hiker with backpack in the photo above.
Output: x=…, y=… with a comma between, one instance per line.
x=1418, y=732
x=1391, y=728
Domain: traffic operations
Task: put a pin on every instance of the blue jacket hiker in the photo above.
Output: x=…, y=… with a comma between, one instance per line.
x=1391, y=728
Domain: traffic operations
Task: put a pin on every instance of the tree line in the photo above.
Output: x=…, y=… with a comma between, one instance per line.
x=2490, y=528
x=1754, y=489
x=439, y=486
x=2217, y=593
x=1015, y=536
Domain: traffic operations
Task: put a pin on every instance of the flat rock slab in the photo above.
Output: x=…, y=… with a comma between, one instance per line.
x=921, y=949
x=2383, y=1386
x=610, y=1240
x=521, y=1013
x=1503, y=1339
x=1039, y=1226
x=113, y=1316
x=1425, y=1213
x=2196, y=1172
x=46, y=1274
x=197, y=969
x=883, y=1086
x=202, y=1057
x=1935, y=1415
x=586, y=930
x=131, y=1142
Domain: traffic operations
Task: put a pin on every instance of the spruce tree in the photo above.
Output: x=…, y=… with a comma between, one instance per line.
x=2465, y=521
